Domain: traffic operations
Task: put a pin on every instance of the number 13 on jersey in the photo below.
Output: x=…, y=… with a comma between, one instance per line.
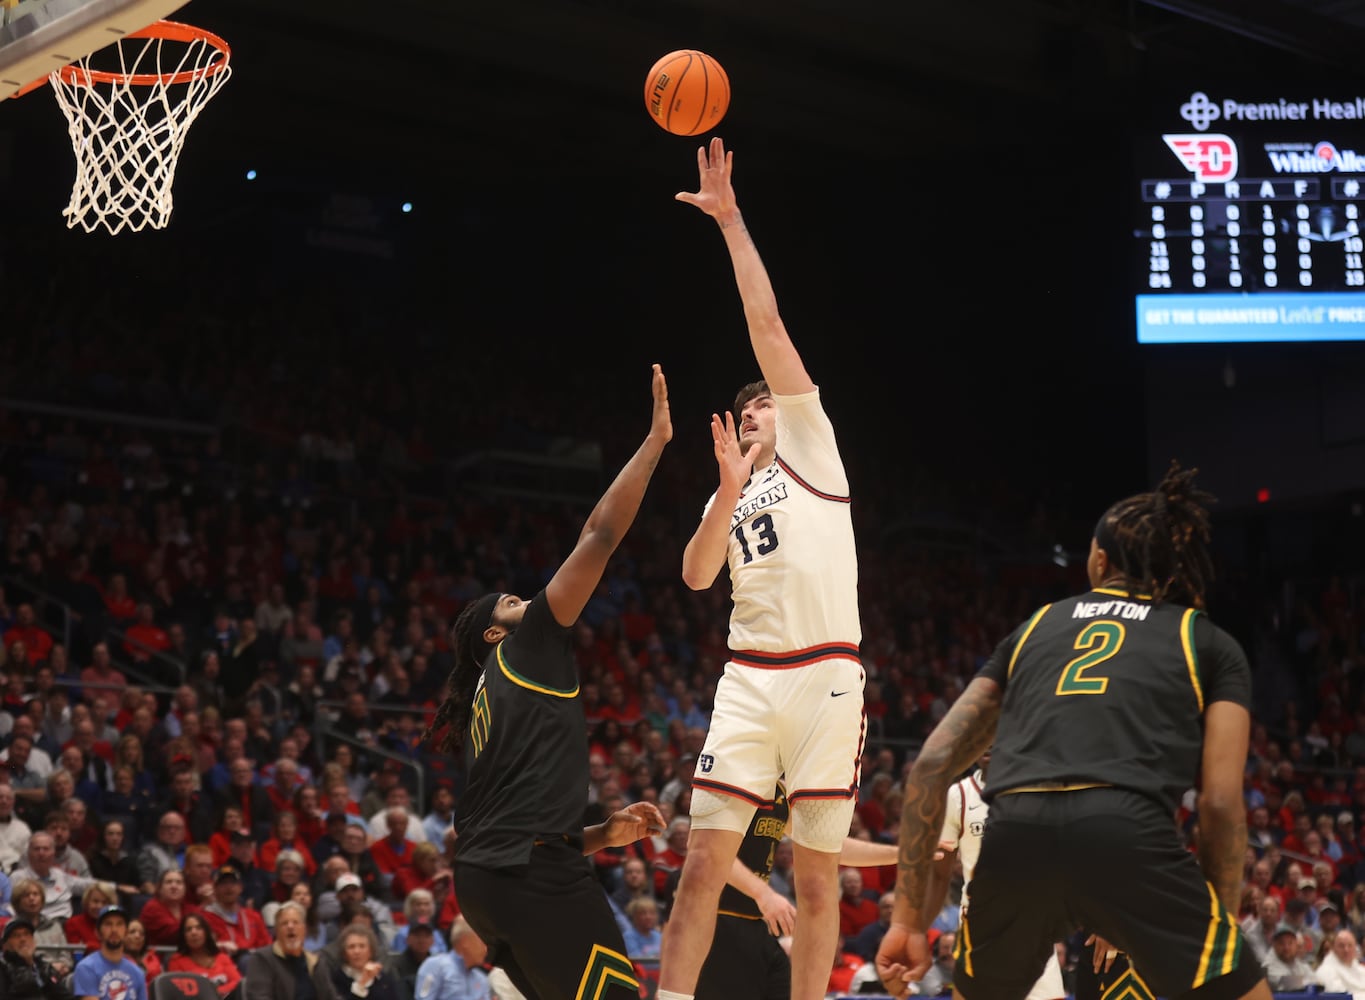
x=765, y=538
x=1098, y=641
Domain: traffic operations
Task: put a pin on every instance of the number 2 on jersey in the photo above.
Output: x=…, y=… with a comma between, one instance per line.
x=1100, y=640
x=767, y=538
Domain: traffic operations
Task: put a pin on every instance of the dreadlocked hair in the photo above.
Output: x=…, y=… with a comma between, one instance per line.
x=453, y=714
x=1163, y=539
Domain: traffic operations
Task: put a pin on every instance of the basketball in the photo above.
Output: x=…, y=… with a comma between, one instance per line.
x=687, y=92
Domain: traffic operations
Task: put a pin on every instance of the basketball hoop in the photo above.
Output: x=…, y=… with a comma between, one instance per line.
x=128, y=125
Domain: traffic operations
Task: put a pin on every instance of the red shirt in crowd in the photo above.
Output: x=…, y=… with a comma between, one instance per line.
x=163, y=926
x=80, y=929
x=389, y=858
x=856, y=914
x=247, y=931
x=222, y=973
x=270, y=852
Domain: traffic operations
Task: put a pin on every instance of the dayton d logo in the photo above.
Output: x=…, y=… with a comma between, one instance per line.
x=706, y=762
x=1211, y=158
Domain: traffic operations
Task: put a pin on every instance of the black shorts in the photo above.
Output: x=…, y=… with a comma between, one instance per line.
x=549, y=926
x=745, y=961
x=1104, y=859
x=1120, y=977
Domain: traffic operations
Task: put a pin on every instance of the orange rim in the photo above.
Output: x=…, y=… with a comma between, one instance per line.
x=172, y=31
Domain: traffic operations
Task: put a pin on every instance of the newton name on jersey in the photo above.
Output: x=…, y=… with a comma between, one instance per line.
x=1127, y=610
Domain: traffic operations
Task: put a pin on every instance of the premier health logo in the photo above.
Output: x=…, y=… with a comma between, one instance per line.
x=1199, y=111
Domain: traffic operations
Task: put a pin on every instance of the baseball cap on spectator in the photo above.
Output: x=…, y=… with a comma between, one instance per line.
x=17, y=924
x=226, y=872
x=243, y=836
x=110, y=911
x=1307, y=883
x=1327, y=904
x=1282, y=929
x=1344, y=818
x=355, y=820
x=336, y=815
x=419, y=927
x=348, y=879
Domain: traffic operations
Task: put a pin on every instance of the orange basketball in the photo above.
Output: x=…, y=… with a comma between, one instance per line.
x=687, y=92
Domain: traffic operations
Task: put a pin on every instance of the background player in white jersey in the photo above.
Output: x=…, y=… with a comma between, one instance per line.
x=963, y=825
x=791, y=698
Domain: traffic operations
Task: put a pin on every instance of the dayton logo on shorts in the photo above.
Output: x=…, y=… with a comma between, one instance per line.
x=976, y=828
x=706, y=761
x=1209, y=157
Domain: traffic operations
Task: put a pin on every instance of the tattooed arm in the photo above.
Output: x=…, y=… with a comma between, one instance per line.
x=1222, y=811
x=956, y=742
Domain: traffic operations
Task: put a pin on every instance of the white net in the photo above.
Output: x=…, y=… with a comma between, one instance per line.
x=128, y=123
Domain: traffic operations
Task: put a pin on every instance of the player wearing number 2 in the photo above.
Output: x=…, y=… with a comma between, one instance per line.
x=791, y=698
x=1101, y=710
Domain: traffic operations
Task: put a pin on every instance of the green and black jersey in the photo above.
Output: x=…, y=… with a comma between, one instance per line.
x=1109, y=688
x=756, y=853
x=526, y=749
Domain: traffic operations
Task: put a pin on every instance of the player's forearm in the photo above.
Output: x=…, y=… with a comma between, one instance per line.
x=755, y=287
x=940, y=878
x=1222, y=847
x=963, y=735
x=705, y=552
x=615, y=512
x=594, y=838
x=743, y=878
x=866, y=854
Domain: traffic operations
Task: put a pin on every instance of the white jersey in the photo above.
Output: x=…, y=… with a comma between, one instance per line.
x=793, y=562
x=963, y=825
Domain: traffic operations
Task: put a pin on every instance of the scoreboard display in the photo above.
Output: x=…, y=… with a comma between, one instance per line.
x=1250, y=220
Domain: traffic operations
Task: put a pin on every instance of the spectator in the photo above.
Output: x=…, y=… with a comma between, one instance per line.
x=668, y=863
x=939, y=978
x=108, y=974
x=162, y=914
x=128, y=804
x=360, y=860
x=199, y=869
x=286, y=838
x=329, y=844
x=869, y=939
x=359, y=971
x=255, y=882
x=419, y=907
x=457, y=974
x=419, y=874
x=238, y=929
x=27, y=630
x=220, y=843
x=29, y=788
x=164, y=853
x=58, y=886
x=349, y=890
x=197, y=952
x=135, y=947
x=288, y=873
x=280, y=971
x=856, y=911
x=643, y=937
x=101, y=677
x=442, y=814
x=243, y=792
x=82, y=927
x=109, y=862
x=403, y=965
x=1260, y=928
x=27, y=902
x=14, y=832
x=84, y=835
x=24, y=973
x=395, y=850
x=186, y=801
x=64, y=856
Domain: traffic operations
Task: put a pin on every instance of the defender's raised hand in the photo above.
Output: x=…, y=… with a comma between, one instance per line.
x=662, y=424
x=714, y=196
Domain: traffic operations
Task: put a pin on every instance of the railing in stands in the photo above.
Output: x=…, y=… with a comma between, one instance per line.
x=324, y=731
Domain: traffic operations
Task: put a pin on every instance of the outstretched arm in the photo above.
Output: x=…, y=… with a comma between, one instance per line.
x=575, y=581
x=776, y=355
